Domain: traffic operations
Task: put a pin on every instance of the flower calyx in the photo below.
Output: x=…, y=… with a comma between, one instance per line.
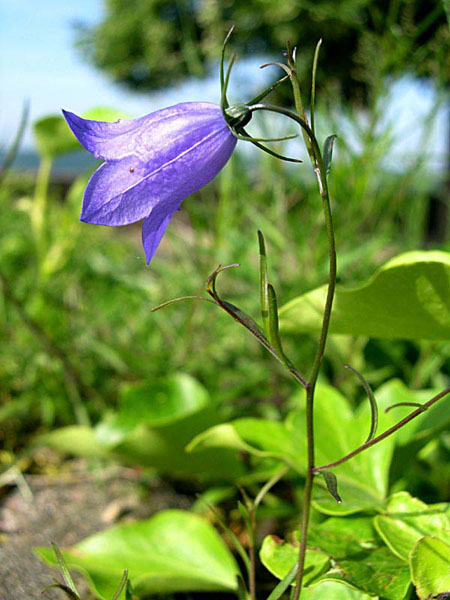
x=237, y=116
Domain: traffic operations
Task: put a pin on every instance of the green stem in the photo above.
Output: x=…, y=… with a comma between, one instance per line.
x=252, y=573
x=319, y=170
x=386, y=433
x=39, y=209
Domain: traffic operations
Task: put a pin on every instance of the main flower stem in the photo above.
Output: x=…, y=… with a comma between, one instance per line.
x=320, y=171
x=311, y=386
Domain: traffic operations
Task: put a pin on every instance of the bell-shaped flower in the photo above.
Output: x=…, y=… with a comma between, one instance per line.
x=151, y=164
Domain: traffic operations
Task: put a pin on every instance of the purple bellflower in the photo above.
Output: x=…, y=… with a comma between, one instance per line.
x=153, y=163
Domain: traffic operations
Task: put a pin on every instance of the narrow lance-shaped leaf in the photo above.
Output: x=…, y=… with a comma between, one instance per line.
x=246, y=517
x=373, y=403
x=233, y=539
x=60, y=586
x=14, y=148
x=122, y=584
x=242, y=592
x=129, y=591
x=64, y=570
x=332, y=485
x=274, y=335
x=250, y=324
x=279, y=590
x=274, y=332
x=328, y=152
x=263, y=283
x=237, y=314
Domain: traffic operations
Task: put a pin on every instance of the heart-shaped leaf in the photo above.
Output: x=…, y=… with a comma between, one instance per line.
x=172, y=551
x=407, y=520
x=407, y=298
x=279, y=557
x=358, y=560
x=362, y=481
x=430, y=567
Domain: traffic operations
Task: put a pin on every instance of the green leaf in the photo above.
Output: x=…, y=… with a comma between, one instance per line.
x=363, y=480
x=358, y=560
x=238, y=315
x=173, y=551
x=53, y=137
x=105, y=113
x=263, y=282
x=328, y=152
x=260, y=437
x=407, y=298
x=332, y=484
x=287, y=580
x=154, y=403
x=78, y=440
x=355, y=557
x=330, y=590
x=162, y=448
x=64, y=570
x=407, y=519
x=430, y=567
x=279, y=557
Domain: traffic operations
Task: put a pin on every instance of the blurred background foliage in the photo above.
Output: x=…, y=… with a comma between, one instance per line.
x=76, y=325
x=151, y=44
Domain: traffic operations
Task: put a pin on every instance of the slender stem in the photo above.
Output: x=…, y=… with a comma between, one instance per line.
x=252, y=573
x=268, y=485
x=321, y=177
x=319, y=169
x=386, y=433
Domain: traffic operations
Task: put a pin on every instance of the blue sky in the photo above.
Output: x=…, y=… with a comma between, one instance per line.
x=38, y=61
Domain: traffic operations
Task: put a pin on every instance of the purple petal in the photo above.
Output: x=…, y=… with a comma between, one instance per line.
x=143, y=137
x=192, y=146
x=154, y=227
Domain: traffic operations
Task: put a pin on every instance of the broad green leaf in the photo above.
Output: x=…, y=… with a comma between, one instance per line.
x=279, y=557
x=331, y=590
x=407, y=298
x=357, y=560
x=375, y=572
x=154, y=403
x=162, y=448
x=362, y=481
x=105, y=113
x=53, y=136
x=430, y=567
x=260, y=437
x=173, y=551
x=78, y=440
x=407, y=519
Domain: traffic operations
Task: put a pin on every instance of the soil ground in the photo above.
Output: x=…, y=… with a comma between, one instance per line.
x=65, y=509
